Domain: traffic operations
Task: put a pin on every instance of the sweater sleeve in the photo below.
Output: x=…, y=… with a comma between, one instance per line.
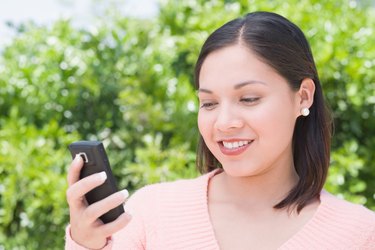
x=133, y=235
x=70, y=244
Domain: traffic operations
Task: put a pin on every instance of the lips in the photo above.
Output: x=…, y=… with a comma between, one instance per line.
x=234, y=147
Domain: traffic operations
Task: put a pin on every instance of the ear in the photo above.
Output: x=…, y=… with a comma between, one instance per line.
x=306, y=94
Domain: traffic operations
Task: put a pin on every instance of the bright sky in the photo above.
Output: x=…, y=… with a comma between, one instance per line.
x=46, y=11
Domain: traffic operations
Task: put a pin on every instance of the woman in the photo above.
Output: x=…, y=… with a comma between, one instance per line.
x=264, y=154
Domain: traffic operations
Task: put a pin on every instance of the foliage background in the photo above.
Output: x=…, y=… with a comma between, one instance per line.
x=128, y=82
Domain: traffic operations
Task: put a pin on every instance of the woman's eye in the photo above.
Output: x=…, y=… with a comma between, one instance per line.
x=208, y=105
x=250, y=100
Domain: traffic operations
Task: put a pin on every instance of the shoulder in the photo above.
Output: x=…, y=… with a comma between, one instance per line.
x=349, y=209
x=355, y=219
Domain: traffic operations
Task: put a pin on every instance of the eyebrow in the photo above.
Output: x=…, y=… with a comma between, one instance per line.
x=237, y=86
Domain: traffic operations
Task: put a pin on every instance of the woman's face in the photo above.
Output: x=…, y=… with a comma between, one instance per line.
x=247, y=112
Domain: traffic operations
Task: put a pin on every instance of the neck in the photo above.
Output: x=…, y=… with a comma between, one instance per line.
x=259, y=192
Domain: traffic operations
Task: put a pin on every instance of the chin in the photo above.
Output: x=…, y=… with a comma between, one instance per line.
x=235, y=170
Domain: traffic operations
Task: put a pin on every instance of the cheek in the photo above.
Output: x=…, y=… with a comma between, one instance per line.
x=275, y=120
x=206, y=127
x=203, y=124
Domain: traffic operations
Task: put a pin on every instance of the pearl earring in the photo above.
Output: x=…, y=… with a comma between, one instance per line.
x=305, y=111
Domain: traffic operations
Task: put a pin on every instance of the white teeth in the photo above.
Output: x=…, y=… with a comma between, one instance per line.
x=237, y=144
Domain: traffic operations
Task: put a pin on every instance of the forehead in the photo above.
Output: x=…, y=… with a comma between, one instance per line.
x=232, y=65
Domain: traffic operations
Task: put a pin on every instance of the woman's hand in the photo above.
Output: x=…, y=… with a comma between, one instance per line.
x=86, y=228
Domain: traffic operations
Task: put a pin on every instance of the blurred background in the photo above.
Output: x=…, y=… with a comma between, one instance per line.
x=121, y=71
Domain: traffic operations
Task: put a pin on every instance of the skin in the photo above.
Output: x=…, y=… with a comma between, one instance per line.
x=85, y=227
x=243, y=99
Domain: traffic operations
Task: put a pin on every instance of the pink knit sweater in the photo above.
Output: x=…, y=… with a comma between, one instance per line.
x=175, y=216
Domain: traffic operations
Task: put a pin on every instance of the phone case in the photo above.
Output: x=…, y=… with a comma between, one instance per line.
x=95, y=161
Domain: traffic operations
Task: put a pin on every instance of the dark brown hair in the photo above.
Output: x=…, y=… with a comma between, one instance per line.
x=282, y=45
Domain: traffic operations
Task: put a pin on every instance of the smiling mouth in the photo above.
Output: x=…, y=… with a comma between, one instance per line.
x=235, y=144
x=233, y=147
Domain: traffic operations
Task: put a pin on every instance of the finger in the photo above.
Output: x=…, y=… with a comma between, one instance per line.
x=116, y=225
x=75, y=193
x=97, y=209
x=74, y=170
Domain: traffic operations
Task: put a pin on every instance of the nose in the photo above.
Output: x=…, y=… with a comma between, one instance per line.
x=228, y=119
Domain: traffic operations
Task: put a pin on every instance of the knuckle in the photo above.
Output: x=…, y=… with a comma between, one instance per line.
x=112, y=227
x=90, y=213
x=109, y=230
x=88, y=183
x=116, y=198
x=116, y=225
x=69, y=195
x=113, y=201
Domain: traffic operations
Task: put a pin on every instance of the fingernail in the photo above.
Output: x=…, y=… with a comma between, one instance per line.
x=77, y=158
x=125, y=193
x=103, y=175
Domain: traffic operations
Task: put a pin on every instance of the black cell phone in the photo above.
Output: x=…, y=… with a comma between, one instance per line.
x=95, y=160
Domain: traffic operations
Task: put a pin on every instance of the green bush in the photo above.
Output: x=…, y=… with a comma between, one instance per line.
x=128, y=82
x=33, y=165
